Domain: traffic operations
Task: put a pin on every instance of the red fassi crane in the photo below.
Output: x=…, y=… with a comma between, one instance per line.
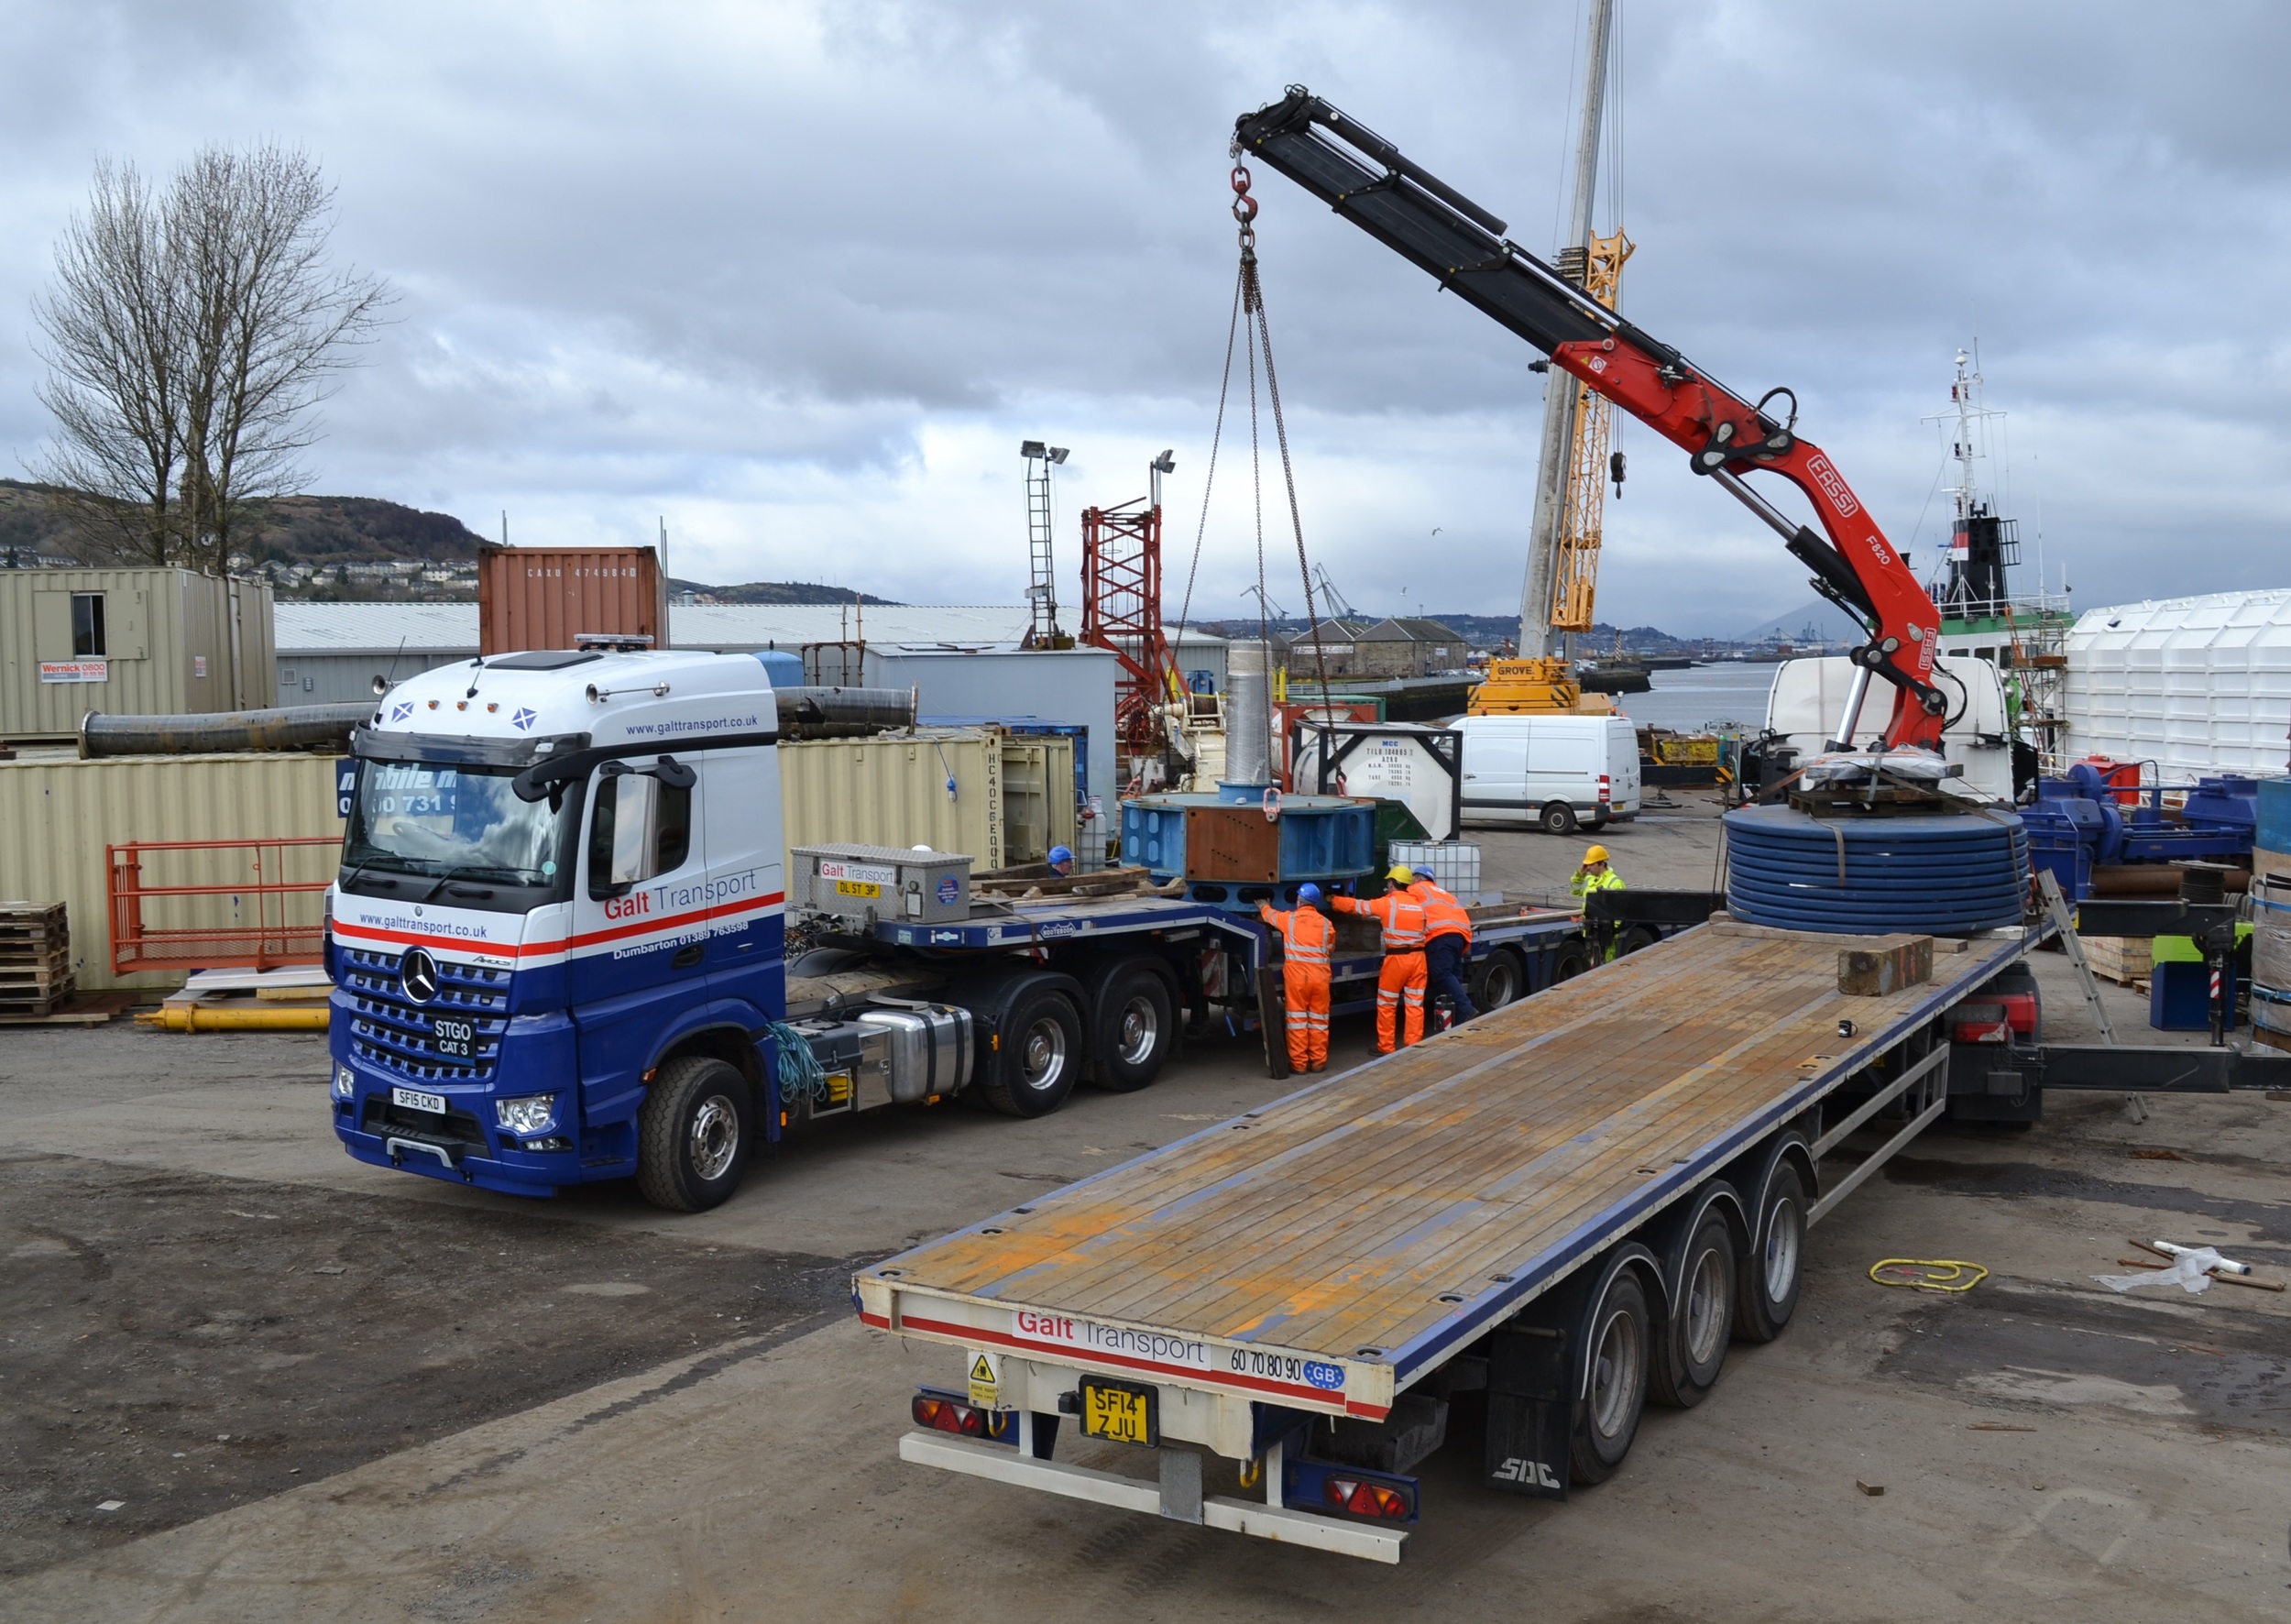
x=1121, y=607
x=1367, y=180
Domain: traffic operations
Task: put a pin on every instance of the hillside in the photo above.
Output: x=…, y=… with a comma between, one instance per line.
x=775, y=592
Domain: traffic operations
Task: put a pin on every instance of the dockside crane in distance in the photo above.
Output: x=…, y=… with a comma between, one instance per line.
x=1366, y=178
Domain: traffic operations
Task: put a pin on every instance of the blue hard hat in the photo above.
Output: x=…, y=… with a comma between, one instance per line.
x=1060, y=854
x=1308, y=893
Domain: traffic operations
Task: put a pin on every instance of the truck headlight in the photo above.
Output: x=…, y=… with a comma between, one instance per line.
x=344, y=1082
x=529, y=1116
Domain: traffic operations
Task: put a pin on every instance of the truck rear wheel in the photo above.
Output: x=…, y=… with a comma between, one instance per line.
x=694, y=1131
x=1134, y=1021
x=1695, y=1346
x=1558, y=818
x=1768, y=1295
x=1618, y=1341
x=1497, y=979
x=1038, y=1055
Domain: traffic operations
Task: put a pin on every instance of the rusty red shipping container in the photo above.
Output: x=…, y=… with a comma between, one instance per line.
x=543, y=598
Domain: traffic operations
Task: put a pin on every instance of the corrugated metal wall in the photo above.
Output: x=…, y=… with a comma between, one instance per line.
x=892, y=792
x=56, y=817
x=168, y=646
x=348, y=679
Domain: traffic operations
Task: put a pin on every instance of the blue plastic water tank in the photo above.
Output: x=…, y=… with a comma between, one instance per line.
x=1938, y=875
x=2273, y=833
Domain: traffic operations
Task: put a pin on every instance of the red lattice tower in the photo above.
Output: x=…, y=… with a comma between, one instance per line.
x=1122, y=611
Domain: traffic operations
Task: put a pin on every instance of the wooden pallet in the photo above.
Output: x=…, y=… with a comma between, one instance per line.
x=30, y=929
x=2123, y=959
x=35, y=986
x=82, y=1009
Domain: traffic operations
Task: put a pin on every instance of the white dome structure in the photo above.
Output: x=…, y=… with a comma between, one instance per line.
x=2194, y=684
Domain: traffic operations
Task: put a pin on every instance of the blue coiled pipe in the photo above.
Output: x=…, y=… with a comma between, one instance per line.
x=1947, y=874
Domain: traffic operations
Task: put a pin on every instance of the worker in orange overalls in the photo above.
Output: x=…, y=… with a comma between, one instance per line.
x=1307, y=935
x=1447, y=945
x=1400, y=985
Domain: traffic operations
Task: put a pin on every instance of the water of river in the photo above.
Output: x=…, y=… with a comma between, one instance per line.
x=1688, y=701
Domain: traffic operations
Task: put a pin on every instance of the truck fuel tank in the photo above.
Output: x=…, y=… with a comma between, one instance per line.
x=931, y=1049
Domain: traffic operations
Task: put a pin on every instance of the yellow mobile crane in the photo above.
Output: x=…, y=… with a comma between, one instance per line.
x=1548, y=685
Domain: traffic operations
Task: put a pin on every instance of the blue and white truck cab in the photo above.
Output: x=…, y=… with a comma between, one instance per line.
x=555, y=936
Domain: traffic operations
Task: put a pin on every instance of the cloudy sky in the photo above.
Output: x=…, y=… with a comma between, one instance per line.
x=799, y=276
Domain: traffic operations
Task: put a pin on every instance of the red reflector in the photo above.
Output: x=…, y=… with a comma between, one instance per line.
x=1366, y=1500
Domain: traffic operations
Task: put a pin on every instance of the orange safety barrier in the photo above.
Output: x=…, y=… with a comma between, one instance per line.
x=265, y=927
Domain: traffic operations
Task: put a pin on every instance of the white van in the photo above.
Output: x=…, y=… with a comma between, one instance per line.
x=1809, y=696
x=1554, y=772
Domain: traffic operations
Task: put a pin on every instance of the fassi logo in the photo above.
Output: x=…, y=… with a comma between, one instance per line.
x=1833, y=486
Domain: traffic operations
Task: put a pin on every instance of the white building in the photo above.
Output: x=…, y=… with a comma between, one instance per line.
x=2193, y=685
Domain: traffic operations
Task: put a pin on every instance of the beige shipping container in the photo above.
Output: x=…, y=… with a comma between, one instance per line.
x=128, y=643
x=58, y=815
x=1013, y=797
x=543, y=598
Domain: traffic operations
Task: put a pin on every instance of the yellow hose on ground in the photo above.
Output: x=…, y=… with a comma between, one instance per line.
x=200, y=1018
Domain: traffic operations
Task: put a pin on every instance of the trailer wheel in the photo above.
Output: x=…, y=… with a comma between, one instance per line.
x=1134, y=1025
x=694, y=1131
x=1768, y=1295
x=1497, y=979
x=1634, y=938
x=1558, y=818
x=1696, y=1347
x=1618, y=1341
x=1039, y=1054
x=1568, y=960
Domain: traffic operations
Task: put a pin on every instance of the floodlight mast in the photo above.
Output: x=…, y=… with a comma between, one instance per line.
x=1042, y=570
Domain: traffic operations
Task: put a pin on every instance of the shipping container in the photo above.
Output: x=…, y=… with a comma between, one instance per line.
x=2194, y=684
x=134, y=642
x=544, y=597
x=57, y=815
x=892, y=791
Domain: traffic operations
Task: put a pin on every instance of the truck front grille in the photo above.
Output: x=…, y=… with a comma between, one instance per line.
x=456, y=1131
x=390, y=1031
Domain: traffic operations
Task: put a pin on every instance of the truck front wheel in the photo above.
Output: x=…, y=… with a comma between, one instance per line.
x=694, y=1131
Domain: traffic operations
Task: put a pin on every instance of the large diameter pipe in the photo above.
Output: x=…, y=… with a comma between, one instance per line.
x=1248, y=714
x=200, y=1018
x=293, y=727
x=826, y=713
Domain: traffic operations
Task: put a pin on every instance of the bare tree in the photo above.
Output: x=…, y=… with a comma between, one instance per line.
x=188, y=337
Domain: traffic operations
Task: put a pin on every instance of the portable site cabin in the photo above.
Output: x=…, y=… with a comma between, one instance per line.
x=2194, y=684
x=142, y=642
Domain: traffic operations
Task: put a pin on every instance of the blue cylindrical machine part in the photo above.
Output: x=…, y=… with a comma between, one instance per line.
x=2274, y=832
x=1943, y=874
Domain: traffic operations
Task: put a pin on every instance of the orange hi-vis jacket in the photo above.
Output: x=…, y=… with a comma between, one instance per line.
x=1443, y=915
x=1307, y=935
x=1398, y=916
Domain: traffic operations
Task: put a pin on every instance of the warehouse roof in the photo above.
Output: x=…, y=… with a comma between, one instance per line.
x=309, y=629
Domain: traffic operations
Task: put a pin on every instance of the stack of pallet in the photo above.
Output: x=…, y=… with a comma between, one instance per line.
x=2127, y=961
x=35, y=958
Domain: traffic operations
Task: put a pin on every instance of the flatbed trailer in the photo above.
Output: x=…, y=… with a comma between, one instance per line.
x=1562, y=1205
x=1217, y=958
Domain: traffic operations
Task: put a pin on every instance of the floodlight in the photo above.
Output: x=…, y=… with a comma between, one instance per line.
x=1057, y=454
x=1030, y=449
x=1167, y=463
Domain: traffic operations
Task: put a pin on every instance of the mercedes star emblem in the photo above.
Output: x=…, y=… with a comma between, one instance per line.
x=417, y=973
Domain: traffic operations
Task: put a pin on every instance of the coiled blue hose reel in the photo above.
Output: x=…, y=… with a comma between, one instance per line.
x=1939, y=874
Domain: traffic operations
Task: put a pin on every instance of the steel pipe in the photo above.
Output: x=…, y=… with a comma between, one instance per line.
x=828, y=713
x=294, y=727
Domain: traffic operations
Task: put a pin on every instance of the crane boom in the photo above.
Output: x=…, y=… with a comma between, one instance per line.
x=1366, y=178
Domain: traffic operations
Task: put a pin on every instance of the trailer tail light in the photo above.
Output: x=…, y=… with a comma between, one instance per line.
x=944, y=1413
x=1364, y=1499
x=1322, y=1486
x=2002, y=1019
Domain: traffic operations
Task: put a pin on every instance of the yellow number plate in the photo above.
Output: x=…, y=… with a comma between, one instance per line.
x=1120, y=1412
x=856, y=888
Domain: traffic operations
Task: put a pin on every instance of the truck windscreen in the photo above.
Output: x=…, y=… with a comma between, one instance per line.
x=460, y=828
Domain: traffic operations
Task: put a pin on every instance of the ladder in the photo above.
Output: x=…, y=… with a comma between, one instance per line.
x=2056, y=909
x=1042, y=590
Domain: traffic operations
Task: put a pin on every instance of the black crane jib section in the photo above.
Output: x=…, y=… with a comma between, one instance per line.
x=1366, y=178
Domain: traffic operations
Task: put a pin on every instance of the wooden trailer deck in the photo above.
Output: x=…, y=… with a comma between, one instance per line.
x=1323, y=1249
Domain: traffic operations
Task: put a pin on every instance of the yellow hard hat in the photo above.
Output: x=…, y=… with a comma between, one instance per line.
x=1401, y=874
x=1596, y=855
